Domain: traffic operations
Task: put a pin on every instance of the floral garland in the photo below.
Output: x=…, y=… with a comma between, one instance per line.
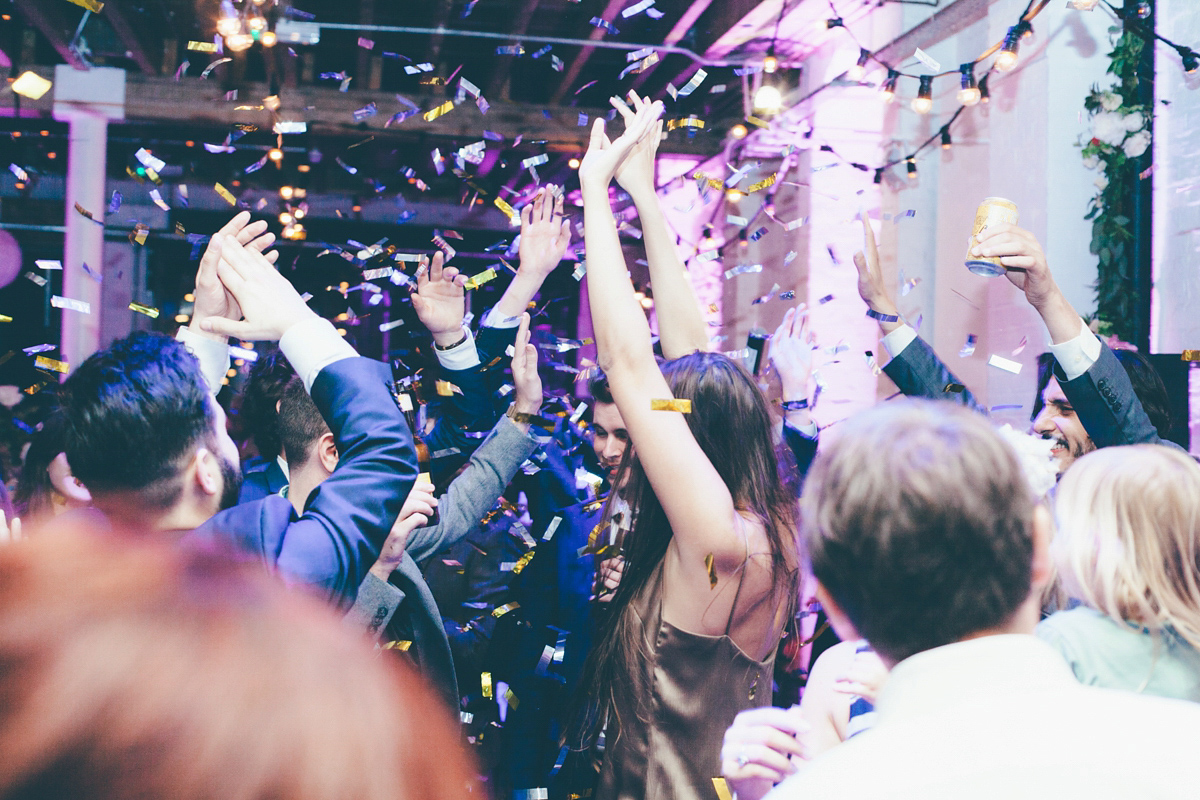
x=1121, y=135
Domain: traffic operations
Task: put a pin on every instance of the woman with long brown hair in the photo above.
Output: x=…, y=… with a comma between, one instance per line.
x=711, y=566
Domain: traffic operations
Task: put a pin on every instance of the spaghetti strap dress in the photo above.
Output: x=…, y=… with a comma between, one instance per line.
x=691, y=688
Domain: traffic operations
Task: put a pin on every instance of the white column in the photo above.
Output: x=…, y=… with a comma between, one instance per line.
x=87, y=101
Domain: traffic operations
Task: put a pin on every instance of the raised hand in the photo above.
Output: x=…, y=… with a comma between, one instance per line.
x=268, y=301
x=636, y=173
x=526, y=381
x=791, y=354
x=9, y=532
x=545, y=235
x=440, y=300
x=1021, y=254
x=871, y=286
x=865, y=677
x=761, y=748
x=418, y=508
x=608, y=579
x=605, y=156
x=212, y=297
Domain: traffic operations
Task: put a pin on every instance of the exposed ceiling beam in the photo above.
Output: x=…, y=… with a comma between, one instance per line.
x=51, y=25
x=441, y=15
x=686, y=20
x=117, y=18
x=581, y=58
x=501, y=67
x=723, y=17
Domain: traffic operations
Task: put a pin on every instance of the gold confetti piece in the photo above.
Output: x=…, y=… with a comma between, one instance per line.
x=710, y=563
x=672, y=404
x=202, y=47
x=504, y=609
x=179, y=230
x=93, y=6
x=522, y=561
x=686, y=122
x=49, y=363
x=513, y=702
x=1191, y=355
x=764, y=183
x=446, y=388
x=953, y=388
x=508, y=210
x=400, y=644
x=37, y=387
x=139, y=233
x=152, y=313
x=226, y=195
x=722, y=788
x=434, y=113
x=485, y=680
x=5, y=318
x=475, y=281
x=761, y=123
x=31, y=85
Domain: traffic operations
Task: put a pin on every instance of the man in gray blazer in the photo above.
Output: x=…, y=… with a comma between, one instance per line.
x=1087, y=401
x=394, y=597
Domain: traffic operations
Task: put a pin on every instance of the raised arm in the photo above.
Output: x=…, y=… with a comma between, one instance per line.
x=697, y=502
x=681, y=325
x=544, y=239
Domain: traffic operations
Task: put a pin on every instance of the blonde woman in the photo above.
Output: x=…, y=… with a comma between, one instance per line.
x=1128, y=548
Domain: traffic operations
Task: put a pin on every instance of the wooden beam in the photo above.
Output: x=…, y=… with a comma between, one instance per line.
x=943, y=24
x=117, y=18
x=684, y=24
x=497, y=86
x=51, y=25
x=723, y=16
x=581, y=58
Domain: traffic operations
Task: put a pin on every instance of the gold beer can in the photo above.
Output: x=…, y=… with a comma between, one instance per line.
x=992, y=211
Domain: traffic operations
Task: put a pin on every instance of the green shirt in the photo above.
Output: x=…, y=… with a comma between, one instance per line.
x=1104, y=652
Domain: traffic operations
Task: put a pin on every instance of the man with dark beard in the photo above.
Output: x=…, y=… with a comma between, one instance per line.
x=148, y=439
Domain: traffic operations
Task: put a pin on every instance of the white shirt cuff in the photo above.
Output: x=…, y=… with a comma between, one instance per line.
x=897, y=340
x=491, y=319
x=311, y=346
x=213, y=355
x=461, y=356
x=1076, y=356
x=808, y=431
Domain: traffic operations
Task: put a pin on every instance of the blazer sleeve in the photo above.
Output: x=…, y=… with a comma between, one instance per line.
x=374, y=606
x=475, y=491
x=804, y=449
x=1107, y=406
x=918, y=372
x=333, y=544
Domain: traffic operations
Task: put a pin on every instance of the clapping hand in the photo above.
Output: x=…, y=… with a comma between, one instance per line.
x=871, y=286
x=213, y=299
x=440, y=300
x=761, y=749
x=791, y=354
x=526, y=381
x=604, y=157
x=545, y=235
x=636, y=173
x=270, y=305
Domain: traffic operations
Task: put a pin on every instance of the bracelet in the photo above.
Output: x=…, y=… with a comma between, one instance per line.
x=794, y=405
x=465, y=335
x=873, y=314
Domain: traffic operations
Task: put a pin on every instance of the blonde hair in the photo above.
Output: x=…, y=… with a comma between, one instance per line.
x=1128, y=540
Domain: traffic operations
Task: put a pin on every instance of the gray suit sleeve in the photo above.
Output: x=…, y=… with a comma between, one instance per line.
x=374, y=607
x=918, y=372
x=473, y=493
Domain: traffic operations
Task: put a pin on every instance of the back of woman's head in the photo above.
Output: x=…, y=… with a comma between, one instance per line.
x=164, y=671
x=34, y=494
x=1128, y=539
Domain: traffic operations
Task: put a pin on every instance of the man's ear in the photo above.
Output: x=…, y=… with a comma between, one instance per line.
x=1043, y=562
x=206, y=471
x=838, y=620
x=327, y=452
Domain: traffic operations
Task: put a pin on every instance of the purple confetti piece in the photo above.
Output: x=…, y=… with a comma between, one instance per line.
x=586, y=85
x=114, y=204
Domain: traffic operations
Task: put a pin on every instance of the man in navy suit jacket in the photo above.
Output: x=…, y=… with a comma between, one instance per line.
x=147, y=437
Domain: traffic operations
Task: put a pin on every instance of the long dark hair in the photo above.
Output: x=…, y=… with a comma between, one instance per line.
x=732, y=424
x=33, y=497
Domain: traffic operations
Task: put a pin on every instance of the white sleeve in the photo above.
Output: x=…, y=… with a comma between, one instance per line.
x=212, y=353
x=491, y=319
x=1076, y=356
x=808, y=431
x=311, y=346
x=897, y=340
x=461, y=356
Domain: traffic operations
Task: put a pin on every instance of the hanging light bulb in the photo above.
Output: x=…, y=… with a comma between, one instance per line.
x=768, y=99
x=239, y=42
x=743, y=239
x=228, y=24
x=1084, y=5
x=857, y=72
x=923, y=102
x=889, y=86
x=968, y=95
x=275, y=154
x=912, y=167
x=1191, y=61
x=269, y=39
x=770, y=63
x=1012, y=45
x=708, y=242
x=946, y=141
x=256, y=22
x=984, y=94
x=739, y=131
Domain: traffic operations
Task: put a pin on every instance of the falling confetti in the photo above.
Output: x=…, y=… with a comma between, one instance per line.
x=1005, y=364
x=149, y=311
x=71, y=305
x=671, y=404
x=968, y=349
